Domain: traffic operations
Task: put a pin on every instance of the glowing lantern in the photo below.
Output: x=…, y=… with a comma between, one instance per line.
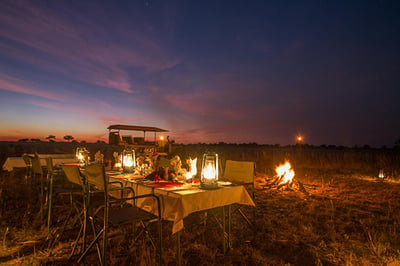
x=82, y=155
x=381, y=174
x=209, y=171
x=128, y=161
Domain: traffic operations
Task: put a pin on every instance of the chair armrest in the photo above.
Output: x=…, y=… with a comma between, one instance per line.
x=122, y=188
x=147, y=196
x=116, y=182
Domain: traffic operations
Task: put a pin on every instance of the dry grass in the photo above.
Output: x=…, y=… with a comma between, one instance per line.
x=348, y=218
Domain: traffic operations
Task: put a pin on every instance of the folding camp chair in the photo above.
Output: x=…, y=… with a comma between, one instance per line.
x=241, y=172
x=69, y=186
x=37, y=172
x=72, y=189
x=116, y=213
x=28, y=164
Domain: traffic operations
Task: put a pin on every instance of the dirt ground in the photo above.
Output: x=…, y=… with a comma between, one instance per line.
x=340, y=220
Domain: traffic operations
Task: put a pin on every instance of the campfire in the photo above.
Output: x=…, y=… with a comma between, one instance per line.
x=284, y=179
x=285, y=173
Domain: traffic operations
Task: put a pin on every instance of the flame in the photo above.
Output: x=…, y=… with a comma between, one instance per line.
x=209, y=171
x=381, y=175
x=80, y=157
x=285, y=171
x=118, y=160
x=128, y=161
x=192, y=169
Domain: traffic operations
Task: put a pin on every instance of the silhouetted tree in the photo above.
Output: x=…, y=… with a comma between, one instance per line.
x=23, y=140
x=51, y=137
x=35, y=140
x=68, y=138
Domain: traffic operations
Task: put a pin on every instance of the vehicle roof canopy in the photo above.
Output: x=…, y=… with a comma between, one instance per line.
x=136, y=128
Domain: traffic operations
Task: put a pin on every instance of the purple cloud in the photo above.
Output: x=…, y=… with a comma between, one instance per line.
x=79, y=49
x=11, y=84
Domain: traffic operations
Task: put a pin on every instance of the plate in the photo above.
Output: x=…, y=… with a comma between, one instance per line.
x=129, y=176
x=224, y=183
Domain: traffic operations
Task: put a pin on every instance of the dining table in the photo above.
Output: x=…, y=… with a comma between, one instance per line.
x=179, y=199
x=18, y=162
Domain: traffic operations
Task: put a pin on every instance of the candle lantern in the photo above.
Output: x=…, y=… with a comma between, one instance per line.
x=128, y=161
x=381, y=174
x=209, y=171
x=82, y=155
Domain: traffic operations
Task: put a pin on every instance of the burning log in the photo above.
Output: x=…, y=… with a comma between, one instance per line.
x=285, y=180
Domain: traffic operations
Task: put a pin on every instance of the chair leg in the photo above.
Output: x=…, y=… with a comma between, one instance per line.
x=229, y=224
x=41, y=196
x=95, y=241
x=96, y=238
x=105, y=236
x=223, y=230
x=160, y=240
x=50, y=202
x=58, y=237
x=76, y=242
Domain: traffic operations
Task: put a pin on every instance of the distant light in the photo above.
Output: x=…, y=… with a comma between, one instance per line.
x=299, y=138
x=161, y=137
x=381, y=174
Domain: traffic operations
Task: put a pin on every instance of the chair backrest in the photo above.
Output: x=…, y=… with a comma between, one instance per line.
x=239, y=171
x=27, y=160
x=49, y=163
x=36, y=165
x=95, y=175
x=72, y=173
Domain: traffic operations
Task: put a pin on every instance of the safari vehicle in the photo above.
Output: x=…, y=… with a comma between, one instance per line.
x=139, y=143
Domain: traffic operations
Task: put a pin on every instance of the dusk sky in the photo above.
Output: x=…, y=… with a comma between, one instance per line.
x=208, y=71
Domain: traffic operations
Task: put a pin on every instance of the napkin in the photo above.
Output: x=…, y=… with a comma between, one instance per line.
x=164, y=184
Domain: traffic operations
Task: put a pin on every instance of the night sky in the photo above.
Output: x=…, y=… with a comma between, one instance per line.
x=208, y=71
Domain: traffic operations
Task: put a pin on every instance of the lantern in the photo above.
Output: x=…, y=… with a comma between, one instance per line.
x=209, y=171
x=128, y=161
x=381, y=174
x=82, y=155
